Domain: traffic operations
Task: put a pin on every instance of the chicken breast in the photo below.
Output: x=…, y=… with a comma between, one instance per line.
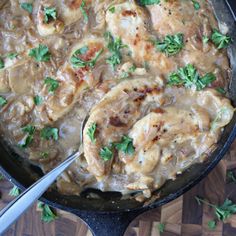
x=73, y=78
x=171, y=17
x=132, y=17
x=114, y=115
x=165, y=131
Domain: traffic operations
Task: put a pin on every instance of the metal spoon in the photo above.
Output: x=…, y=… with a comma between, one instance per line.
x=18, y=206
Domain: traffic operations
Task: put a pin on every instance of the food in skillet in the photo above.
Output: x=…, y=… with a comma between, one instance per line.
x=152, y=74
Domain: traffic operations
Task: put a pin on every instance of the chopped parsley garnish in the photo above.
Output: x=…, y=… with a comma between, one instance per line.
x=2, y=65
x=50, y=13
x=29, y=130
x=3, y=101
x=220, y=40
x=76, y=61
x=27, y=7
x=196, y=5
x=14, y=192
x=44, y=154
x=148, y=2
x=38, y=100
x=51, y=83
x=205, y=39
x=84, y=13
x=220, y=90
x=49, y=133
x=106, y=153
x=12, y=55
x=91, y=132
x=211, y=224
x=112, y=9
x=223, y=212
x=189, y=77
x=161, y=227
x=47, y=214
x=132, y=68
x=41, y=53
x=114, y=46
x=125, y=145
x=171, y=45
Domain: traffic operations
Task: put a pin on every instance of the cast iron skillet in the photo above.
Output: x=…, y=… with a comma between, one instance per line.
x=110, y=215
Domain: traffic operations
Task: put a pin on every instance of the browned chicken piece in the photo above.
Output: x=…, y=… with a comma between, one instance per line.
x=139, y=41
x=115, y=115
x=167, y=140
x=74, y=78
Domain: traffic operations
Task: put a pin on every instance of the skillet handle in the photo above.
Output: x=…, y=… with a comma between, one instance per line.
x=108, y=224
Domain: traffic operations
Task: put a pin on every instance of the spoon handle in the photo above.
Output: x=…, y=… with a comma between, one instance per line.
x=18, y=206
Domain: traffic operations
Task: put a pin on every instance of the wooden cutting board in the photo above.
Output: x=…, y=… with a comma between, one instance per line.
x=181, y=217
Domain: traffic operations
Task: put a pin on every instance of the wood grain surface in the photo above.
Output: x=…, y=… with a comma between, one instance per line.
x=181, y=217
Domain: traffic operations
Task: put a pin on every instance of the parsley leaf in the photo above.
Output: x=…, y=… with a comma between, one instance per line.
x=2, y=65
x=12, y=55
x=44, y=154
x=49, y=133
x=114, y=46
x=205, y=39
x=220, y=40
x=205, y=80
x=148, y=2
x=211, y=224
x=29, y=130
x=51, y=83
x=171, y=45
x=47, y=214
x=125, y=145
x=222, y=212
x=50, y=13
x=91, y=132
x=112, y=9
x=161, y=227
x=225, y=210
x=196, y=5
x=14, y=192
x=220, y=90
x=84, y=13
x=38, y=100
x=106, y=153
x=76, y=61
x=27, y=7
x=189, y=77
x=41, y=53
x=3, y=101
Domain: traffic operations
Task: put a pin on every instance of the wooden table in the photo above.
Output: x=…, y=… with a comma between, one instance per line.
x=181, y=217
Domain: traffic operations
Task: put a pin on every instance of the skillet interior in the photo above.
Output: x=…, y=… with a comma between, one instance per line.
x=23, y=175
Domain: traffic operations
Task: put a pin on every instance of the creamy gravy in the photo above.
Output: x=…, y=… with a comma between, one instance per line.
x=170, y=127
